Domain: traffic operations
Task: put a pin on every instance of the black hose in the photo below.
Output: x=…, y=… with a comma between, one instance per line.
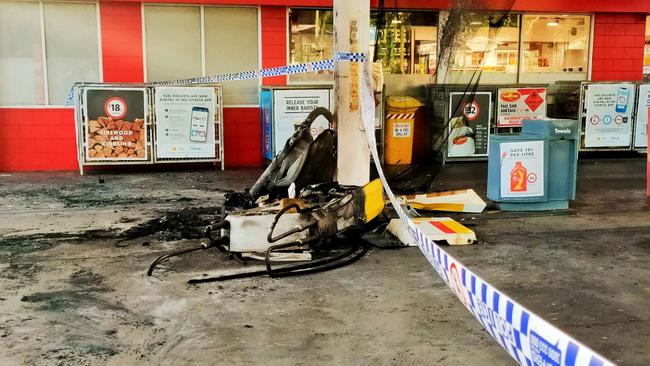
x=223, y=224
x=173, y=254
x=297, y=229
x=279, y=272
x=321, y=265
x=267, y=255
x=221, y=240
x=338, y=264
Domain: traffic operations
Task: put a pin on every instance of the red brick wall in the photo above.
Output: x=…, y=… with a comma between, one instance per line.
x=618, y=47
x=242, y=137
x=37, y=139
x=274, y=41
x=121, y=27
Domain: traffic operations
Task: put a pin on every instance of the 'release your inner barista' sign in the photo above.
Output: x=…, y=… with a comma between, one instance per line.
x=291, y=107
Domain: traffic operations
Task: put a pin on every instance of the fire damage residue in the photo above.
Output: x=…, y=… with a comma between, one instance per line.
x=187, y=223
x=175, y=225
x=85, y=284
x=86, y=278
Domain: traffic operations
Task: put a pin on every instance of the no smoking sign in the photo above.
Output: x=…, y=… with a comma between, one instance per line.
x=115, y=107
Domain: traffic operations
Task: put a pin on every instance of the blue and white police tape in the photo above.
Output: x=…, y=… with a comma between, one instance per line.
x=528, y=338
x=254, y=74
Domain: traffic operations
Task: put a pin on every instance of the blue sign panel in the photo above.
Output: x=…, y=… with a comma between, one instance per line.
x=266, y=105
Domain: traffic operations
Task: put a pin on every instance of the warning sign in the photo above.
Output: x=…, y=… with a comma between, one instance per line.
x=402, y=130
x=534, y=100
x=518, y=104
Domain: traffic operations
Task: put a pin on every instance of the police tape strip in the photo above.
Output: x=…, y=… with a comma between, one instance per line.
x=528, y=338
x=254, y=74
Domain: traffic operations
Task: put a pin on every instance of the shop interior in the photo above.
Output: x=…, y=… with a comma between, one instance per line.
x=405, y=43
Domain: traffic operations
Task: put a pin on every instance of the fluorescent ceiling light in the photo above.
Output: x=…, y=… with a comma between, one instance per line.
x=553, y=23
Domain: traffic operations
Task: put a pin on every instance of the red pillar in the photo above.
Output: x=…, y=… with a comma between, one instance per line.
x=121, y=28
x=274, y=41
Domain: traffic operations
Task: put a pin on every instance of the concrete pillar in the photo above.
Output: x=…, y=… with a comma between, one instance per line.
x=351, y=34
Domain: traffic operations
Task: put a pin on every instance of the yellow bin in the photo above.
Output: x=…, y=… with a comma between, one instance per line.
x=400, y=121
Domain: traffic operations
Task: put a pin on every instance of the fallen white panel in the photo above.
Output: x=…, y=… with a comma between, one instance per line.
x=465, y=200
x=436, y=229
x=248, y=232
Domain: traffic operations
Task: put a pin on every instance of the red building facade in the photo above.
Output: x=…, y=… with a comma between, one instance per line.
x=616, y=53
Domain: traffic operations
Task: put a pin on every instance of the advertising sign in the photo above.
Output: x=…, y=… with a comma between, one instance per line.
x=522, y=169
x=291, y=107
x=609, y=115
x=470, y=116
x=266, y=104
x=115, y=124
x=517, y=104
x=641, y=129
x=185, y=122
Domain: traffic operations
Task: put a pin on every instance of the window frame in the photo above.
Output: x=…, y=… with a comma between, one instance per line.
x=590, y=46
x=202, y=41
x=520, y=59
x=441, y=14
x=288, y=50
x=490, y=75
x=331, y=81
x=46, y=93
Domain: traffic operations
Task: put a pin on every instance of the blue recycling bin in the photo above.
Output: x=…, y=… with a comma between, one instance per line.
x=536, y=169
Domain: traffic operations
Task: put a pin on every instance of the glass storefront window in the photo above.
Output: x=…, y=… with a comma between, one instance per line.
x=489, y=42
x=232, y=32
x=506, y=48
x=311, y=39
x=555, y=47
x=21, y=58
x=229, y=44
x=405, y=43
x=177, y=54
x=70, y=41
x=71, y=47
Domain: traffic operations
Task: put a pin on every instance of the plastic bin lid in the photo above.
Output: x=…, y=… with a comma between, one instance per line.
x=403, y=102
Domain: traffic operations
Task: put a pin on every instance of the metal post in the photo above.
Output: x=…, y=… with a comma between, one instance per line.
x=351, y=34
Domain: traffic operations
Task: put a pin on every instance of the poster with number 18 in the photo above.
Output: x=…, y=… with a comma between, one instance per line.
x=115, y=124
